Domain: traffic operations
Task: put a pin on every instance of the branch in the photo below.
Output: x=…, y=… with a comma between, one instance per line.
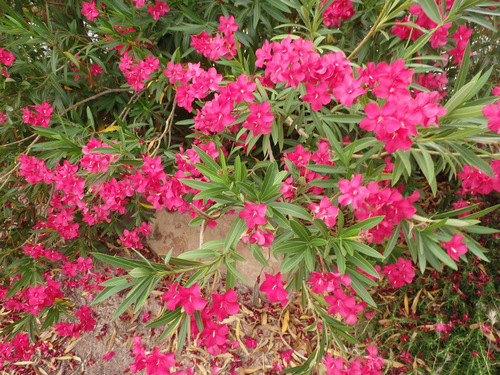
x=108, y=91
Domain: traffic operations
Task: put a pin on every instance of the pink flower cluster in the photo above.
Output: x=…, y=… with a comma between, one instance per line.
x=155, y=363
x=17, y=350
x=132, y=238
x=300, y=158
x=340, y=302
x=96, y=162
x=255, y=217
x=214, y=336
x=439, y=37
x=69, y=200
x=400, y=273
x=39, y=117
x=371, y=364
x=33, y=299
x=396, y=120
x=158, y=10
x=137, y=72
x=220, y=45
x=336, y=12
x=87, y=323
x=377, y=200
x=294, y=62
x=193, y=83
x=477, y=182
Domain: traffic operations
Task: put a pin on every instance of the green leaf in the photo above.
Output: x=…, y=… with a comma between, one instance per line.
x=464, y=70
x=300, y=230
x=426, y=164
x=364, y=225
x=431, y=9
x=135, y=293
x=234, y=234
x=359, y=288
x=293, y=210
x=365, y=249
x=229, y=263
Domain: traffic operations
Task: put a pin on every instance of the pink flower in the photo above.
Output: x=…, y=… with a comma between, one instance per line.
x=6, y=57
x=108, y=356
x=254, y=214
x=400, y=273
x=96, y=70
x=353, y=191
x=456, y=247
x=227, y=25
x=317, y=96
x=442, y=327
x=325, y=211
x=225, y=304
x=492, y=113
x=260, y=119
x=191, y=299
x=89, y=10
x=273, y=287
x=159, y=9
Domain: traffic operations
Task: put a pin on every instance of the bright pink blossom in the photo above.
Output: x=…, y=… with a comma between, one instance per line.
x=273, y=287
x=254, y=214
x=260, y=119
x=456, y=247
x=89, y=10
x=225, y=305
x=492, y=113
x=325, y=211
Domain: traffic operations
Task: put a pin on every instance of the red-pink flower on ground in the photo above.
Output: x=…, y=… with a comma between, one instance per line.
x=254, y=214
x=108, y=356
x=273, y=287
x=89, y=10
x=442, y=327
x=456, y=247
x=159, y=363
x=215, y=336
x=325, y=211
x=492, y=113
x=225, y=304
x=260, y=119
x=250, y=342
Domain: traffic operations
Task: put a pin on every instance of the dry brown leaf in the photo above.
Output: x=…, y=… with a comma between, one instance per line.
x=407, y=307
x=415, y=302
x=71, y=346
x=286, y=319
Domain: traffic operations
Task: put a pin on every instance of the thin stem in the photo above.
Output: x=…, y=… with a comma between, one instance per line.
x=108, y=91
x=371, y=32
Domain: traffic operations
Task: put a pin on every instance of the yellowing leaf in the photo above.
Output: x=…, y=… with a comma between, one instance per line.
x=407, y=307
x=147, y=205
x=111, y=128
x=286, y=319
